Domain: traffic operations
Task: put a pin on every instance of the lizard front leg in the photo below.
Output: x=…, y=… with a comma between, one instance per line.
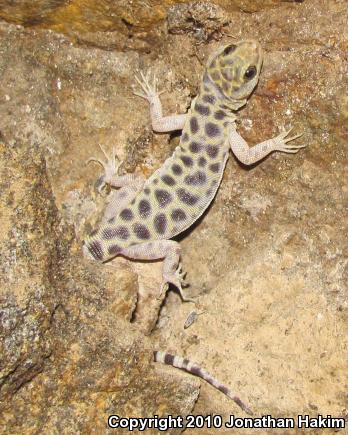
x=169, y=250
x=248, y=156
x=128, y=185
x=159, y=122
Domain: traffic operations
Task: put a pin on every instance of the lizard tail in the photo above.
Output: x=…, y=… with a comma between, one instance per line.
x=185, y=364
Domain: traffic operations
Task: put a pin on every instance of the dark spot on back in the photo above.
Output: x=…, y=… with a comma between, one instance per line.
x=141, y=231
x=120, y=232
x=194, y=125
x=215, y=167
x=212, y=151
x=178, y=215
x=177, y=170
x=202, y=110
x=185, y=137
x=147, y=191
x=186, y=197
x=212, y=129
x=220, y=114
x=163, y=197
x=126, y=214
x=168, y=180
x=95, y=248
x=114, y=249
x=160, y=223
x=144, y=208
x=202, y=162
x=155, y=181
x=187, y=161
x=195, y=179
x=133, y=201
x=111, y=220
x=209, y=99
x=93, y=233
x=195, y=147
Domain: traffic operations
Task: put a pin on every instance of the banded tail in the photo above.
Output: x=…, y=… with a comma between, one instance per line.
x=185, y=364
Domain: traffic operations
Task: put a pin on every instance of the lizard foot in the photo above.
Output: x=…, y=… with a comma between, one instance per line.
x=178, y=280
x=280, y=142
x=149, y=89
x=110, y=165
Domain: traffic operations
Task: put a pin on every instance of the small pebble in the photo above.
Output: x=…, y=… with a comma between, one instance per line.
x=192, y=317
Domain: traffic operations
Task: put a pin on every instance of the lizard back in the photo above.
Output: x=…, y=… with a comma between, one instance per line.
x=177, y=194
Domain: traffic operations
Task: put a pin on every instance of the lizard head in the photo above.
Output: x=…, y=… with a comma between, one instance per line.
x=235, y=69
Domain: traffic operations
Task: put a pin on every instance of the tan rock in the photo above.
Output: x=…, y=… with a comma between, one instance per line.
x=268, y=261
x=67, y=348
x=106, y=15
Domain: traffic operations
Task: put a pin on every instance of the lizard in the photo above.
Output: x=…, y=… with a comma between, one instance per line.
x=143, y=216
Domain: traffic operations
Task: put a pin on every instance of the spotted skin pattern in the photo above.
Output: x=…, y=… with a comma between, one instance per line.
x=143, y=215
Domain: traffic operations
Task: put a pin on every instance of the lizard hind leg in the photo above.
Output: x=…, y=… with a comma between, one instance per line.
x=169, y=250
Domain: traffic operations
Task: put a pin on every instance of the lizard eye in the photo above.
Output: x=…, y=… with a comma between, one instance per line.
x=250, y=73
x=229, y=49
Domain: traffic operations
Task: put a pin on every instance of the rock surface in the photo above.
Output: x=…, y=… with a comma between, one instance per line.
x=268, y=262
x=123, y=16
x=64, y=349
